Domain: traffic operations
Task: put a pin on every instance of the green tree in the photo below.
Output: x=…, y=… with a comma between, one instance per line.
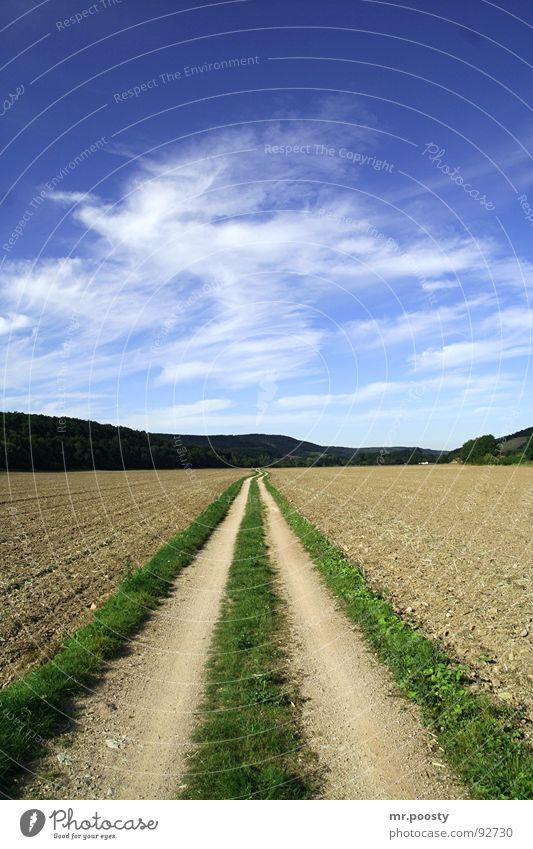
x=483, y=449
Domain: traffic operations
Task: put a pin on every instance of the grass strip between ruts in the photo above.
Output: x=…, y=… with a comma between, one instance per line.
x=36, y=706
x=247, y=744
x=482, y=741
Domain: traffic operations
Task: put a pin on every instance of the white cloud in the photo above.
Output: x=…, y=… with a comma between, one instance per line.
x=215, y=271
x=176, y=418
x=415, y=389
x=439, y=285
x=12, y=322
x=499, y=335
x=183, y=372
x=470, y=354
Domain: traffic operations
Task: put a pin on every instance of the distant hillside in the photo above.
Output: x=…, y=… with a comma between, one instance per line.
x=491, y=450
x=515, y=442
x=525, y=433
x=286, y=446
x=52, y=443
x=256, y=444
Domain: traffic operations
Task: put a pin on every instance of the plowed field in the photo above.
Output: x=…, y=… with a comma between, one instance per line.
x=450, y=546
x=67, y=540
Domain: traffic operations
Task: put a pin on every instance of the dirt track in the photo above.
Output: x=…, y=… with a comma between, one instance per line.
x=132, y=733
x=370, y=742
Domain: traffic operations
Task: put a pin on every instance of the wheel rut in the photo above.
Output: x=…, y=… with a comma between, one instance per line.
x=131, y=734
x=370, y=742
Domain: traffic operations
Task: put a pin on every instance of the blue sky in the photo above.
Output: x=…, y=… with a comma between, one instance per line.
x=306, y=218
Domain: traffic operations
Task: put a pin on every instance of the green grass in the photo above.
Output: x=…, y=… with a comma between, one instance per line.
x=247, y=743
x=38, y=705
x=483, y=742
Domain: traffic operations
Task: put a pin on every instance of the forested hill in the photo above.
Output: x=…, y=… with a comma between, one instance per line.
x=51, y=443
x=504, y=450
x=256, y=444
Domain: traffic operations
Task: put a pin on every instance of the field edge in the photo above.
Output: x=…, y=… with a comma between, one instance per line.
x=482, y=742
x=36, y=706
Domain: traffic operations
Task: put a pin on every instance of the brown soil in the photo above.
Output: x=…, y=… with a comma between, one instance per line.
x=370, y=743
x=450, y=546
x=131, y=734
x=66, y=541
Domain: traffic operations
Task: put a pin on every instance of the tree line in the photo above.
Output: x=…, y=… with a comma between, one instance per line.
x=487, y=450
x=49, y=443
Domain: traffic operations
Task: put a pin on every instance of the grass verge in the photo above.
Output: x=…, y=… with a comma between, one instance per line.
x=482, y=741
x=36, y=706
x=247, y=744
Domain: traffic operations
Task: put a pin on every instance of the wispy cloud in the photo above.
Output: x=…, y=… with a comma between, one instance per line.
x=222, y=270
x=12, y=322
